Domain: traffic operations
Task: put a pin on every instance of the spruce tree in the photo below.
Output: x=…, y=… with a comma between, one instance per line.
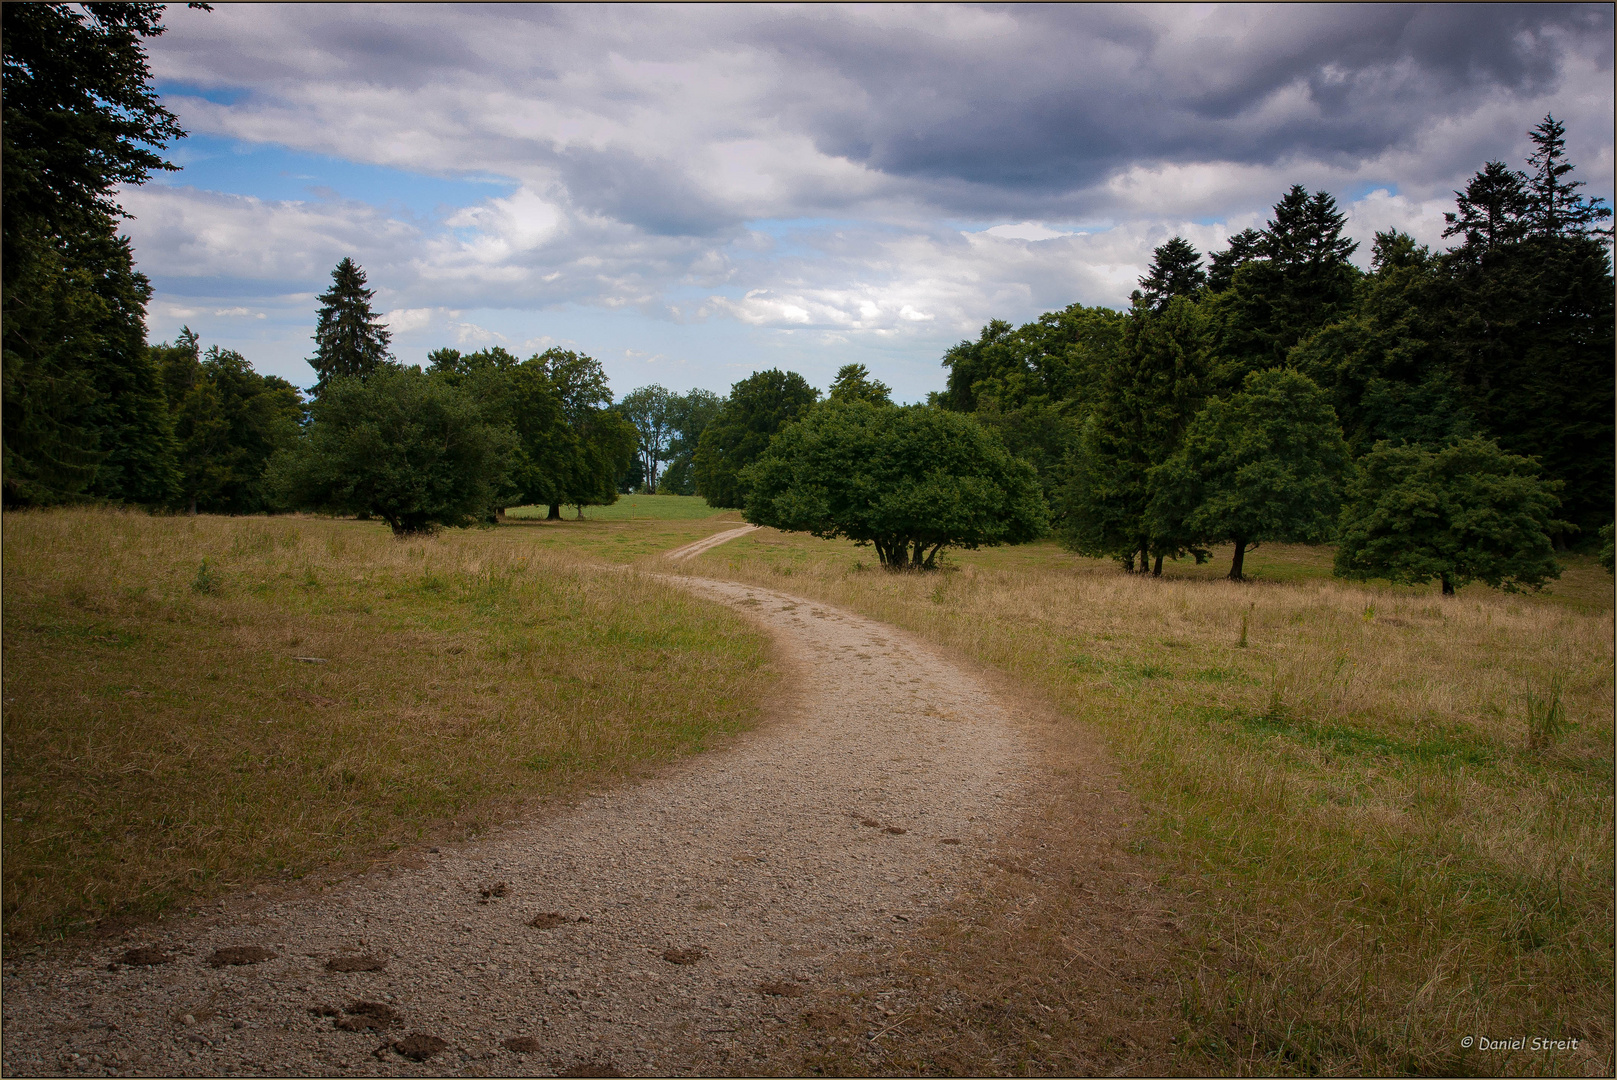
x=1492, y=210
x=349, y=340
x=1176, y=270
x=1556, y=209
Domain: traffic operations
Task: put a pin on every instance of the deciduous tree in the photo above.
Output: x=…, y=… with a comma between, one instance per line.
x=758, y=407
x=909, y=481
x=400, y=445
x=1265, y=464
x=1466, y=512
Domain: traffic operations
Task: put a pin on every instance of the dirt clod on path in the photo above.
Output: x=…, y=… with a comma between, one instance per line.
x=355, y=963
x=238, y=955
x=748, y=854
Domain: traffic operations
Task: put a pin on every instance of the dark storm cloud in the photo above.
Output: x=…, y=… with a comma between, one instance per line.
x=1069, y=95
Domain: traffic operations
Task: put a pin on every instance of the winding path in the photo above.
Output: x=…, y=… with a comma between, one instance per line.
x=860, y=809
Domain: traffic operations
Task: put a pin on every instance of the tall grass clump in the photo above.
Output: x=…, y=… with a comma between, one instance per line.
x=1368, y=858
x=195, y=703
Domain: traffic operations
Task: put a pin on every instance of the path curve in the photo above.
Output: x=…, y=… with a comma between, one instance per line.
x=834, y=829
x=690, y=551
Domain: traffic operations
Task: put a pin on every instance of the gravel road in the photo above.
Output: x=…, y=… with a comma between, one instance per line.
x=643, y=930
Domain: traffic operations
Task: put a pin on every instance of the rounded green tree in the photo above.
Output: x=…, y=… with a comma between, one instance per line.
x=1266, y=464
x=401, y=445
x=1467, y=512
x=908, y=481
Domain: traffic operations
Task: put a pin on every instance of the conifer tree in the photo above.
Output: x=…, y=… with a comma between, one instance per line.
x=348, y=337
x=1176, y=270
x=84, y=408
x=1555, y=207
x=1492, y=210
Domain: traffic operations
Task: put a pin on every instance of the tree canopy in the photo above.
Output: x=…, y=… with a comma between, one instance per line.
x=908, y=481
x=413, y=450
x=1265, y=464
x=1465, y=512
x=758, y=407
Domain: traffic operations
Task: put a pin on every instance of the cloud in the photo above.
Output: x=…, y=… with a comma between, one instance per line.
x=883, y=173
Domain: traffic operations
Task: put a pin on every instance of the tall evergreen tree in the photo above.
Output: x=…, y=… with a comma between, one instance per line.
x=1530, y=335
x=1296, y=279
x=1176, y=270
x=1555, y=208
x=1145, y=400
x=85, y=414
x=1491, y=211
x=1242, y=250
x=348, y=337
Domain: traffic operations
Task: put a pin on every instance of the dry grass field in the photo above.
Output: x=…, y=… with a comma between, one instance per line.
x=1374, y=821
x=195, y=704
x=1296, y=826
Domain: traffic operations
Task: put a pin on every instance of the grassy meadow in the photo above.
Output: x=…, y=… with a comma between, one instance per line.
x=196, y=703
x=1381, y=819
x=1361, y=821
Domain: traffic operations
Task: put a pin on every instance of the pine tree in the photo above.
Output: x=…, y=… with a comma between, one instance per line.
x=349, y=339
x=1176, y=270
x=1492, y=210
x=1555, y=207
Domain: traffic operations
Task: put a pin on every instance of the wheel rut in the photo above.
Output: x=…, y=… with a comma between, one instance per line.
x=646, y=930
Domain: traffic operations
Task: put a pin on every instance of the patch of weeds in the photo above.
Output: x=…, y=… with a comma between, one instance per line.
x=207, y=580
x=1083, y=662
x=560, y=759
x=1546, y=716
x=1130, y=670
x=1447, y=748
x=1222, y=675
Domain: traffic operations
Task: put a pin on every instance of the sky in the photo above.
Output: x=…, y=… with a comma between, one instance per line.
x=690, y=194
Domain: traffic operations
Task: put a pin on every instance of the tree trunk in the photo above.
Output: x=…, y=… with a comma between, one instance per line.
x=1240, y=558
x=499, y=514
x=193, y=509
x=555, y=512
x=1448, y=586
x=580, y=509
x=1128, y=563
x=1156, y=571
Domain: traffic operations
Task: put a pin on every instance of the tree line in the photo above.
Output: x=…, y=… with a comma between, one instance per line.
x=1445, y=415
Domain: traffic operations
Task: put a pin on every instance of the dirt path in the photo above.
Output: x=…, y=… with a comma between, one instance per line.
x=690, y=551
x=688, y=910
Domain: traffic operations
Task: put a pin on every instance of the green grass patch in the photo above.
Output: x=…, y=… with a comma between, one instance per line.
x=332, y=692
x=632, y=508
